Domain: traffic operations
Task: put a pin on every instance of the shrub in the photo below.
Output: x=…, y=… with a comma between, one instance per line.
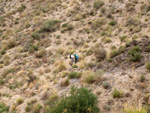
x=3, y=108
x=36, y=108
x=121, y=49
x=67, y=27
x=36, y=35
x=72, y=75
x=148, y=66
x=41, y=53
x=61, y=66
x=50, y=26
x=135, y=54
x=112, y=23
x=90, y=76
x=106, y=85
x=98, y=4
x=142, y=78
x=64, y=74
x=65, y=82
x=123, y=38
x=80, y=101
x=19, y=101
x=98, y=23
x=113, y=53
x=134, y=109
x=100, y=54
x=89, y=52
x=117, y=94
x=75, y=66
x=21, y=8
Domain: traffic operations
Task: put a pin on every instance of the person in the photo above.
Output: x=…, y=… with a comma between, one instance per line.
x=72, y=58
x=76, y=57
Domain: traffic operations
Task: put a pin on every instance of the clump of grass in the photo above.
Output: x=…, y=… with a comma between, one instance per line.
x=98, y=4
x=106, y=85
x=148, y=66
x=21, y=8
x=50, y=26
x=19, y=101
x=90, y=76
x=98, y=23
x=112, y=23
x=67, y=27
x=123, y=38
x=73, y=74
x=61, y=66
x=41, y=53
x=64, y=74
x=117, y=94
x=113, y=53
x=65, y=82
x=36, y=35
x=100, y=54
x=142, y=78
x=135, y=54
x=75, y=66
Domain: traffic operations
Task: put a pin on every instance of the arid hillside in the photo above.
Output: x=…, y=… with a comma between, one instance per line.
x=111, y=38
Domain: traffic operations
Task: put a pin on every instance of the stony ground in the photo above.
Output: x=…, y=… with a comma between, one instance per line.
x=37, y=37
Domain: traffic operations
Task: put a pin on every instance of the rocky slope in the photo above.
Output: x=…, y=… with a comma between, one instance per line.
x=111, y=38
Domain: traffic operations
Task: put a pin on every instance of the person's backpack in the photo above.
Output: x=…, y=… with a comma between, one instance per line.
x=77, y=57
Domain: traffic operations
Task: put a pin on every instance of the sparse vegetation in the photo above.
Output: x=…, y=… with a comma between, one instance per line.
x=50, y=26
x=98, y=4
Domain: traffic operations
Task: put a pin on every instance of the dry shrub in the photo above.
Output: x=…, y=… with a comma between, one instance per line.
x=41, y=53
x=64, y=82
x=60, y=66
x=100, y=54
x=47, y=70
x=90, y=76
x=82, y=64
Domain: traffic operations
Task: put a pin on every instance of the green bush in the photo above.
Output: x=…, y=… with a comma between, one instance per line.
x=36, y=35
x=98, y=4
x=112, y=23
x=73, y=74
x=80, y=101
x=148, y=66
x=117, y=94
x=135, y=54
x=121, y=49
x=106, y=85
x=50, y=26
x=142, y=78
x=123, y=38
x=3, y=108
x=89, y=52
x=20, y=101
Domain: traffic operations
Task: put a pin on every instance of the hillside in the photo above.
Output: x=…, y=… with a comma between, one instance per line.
x=111, y=38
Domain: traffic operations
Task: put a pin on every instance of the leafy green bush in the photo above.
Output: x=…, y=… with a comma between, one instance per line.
x=117, y=94
x=3, y=108
x=148, y=66
x=121, y=49
x=50, y=26
x=98, y=4
x=80, y=101
x=135, y=54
